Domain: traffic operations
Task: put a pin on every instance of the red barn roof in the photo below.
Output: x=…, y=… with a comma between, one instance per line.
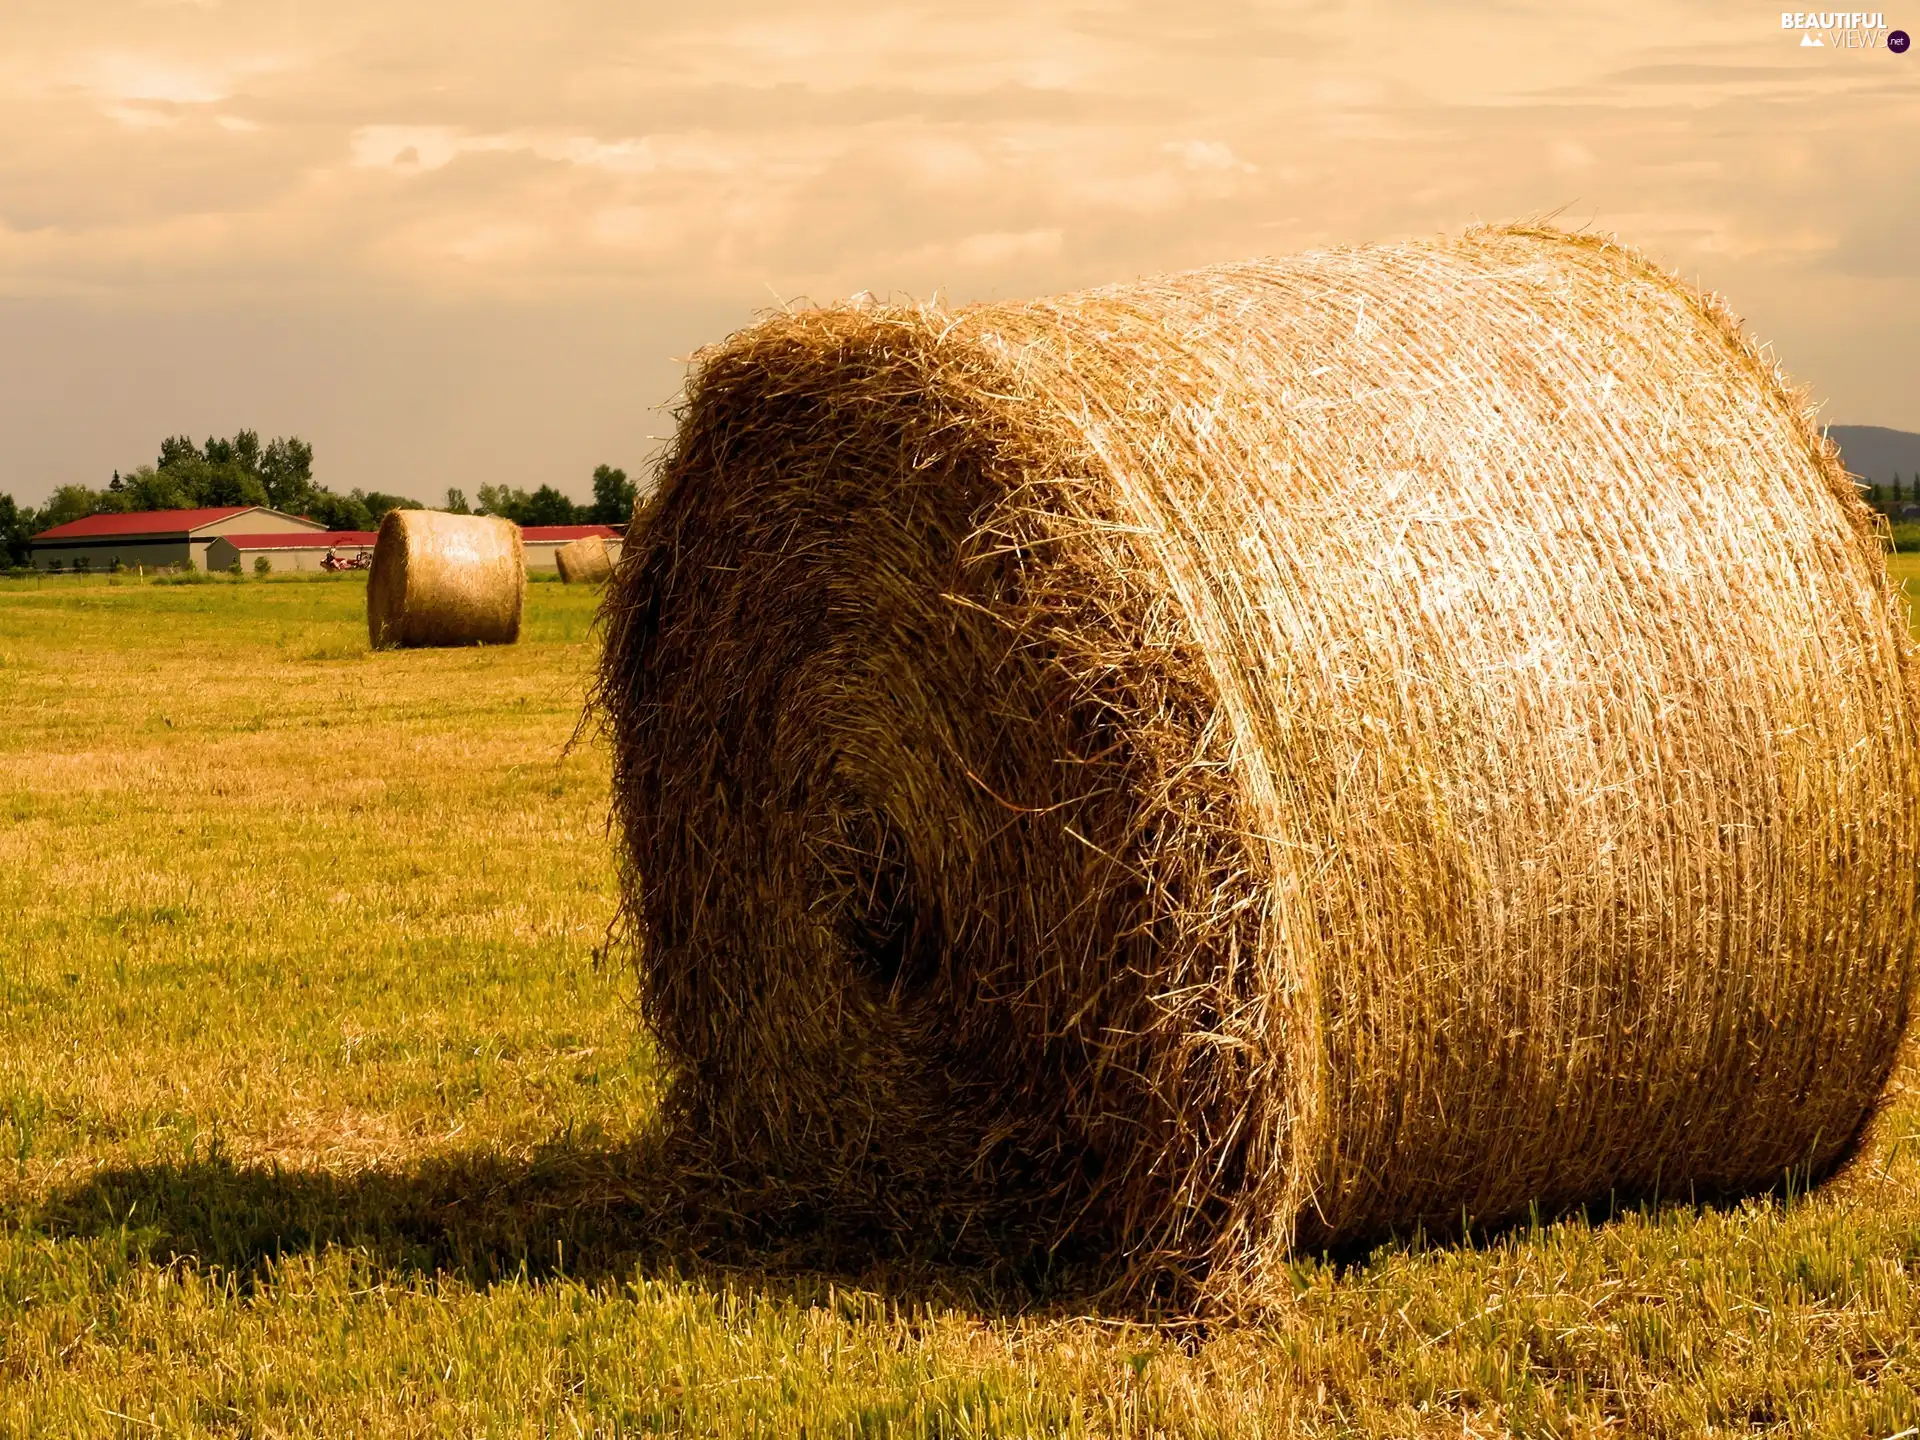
x=149, y=523
x=549, y=533
x=143, y=522
x=302, y=540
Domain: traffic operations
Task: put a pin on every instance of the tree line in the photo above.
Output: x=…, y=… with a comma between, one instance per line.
x=1877, y=495
x=239, y=470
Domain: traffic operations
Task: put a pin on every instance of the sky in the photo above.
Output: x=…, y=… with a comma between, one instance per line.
x=464, y=242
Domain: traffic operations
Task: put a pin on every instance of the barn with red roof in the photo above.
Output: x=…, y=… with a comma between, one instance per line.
x=306, y=551
x=230, y=537
x=157, y=538
x=289, y=550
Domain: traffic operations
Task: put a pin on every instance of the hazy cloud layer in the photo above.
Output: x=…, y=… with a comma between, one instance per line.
x=456, y=243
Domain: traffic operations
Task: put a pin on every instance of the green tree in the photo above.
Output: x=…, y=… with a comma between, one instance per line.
x=286, y=469
x=338, y=512
x=242, y=450
x=164, y=487
x=236, y=470
x=176, y=450
x=222, y=472
x=17, y=527
x=231, y=484
x=545, y=506
x=613, y=496
x=457, y=502
x=503, y=501
x=377, y=505
x=1896, y=487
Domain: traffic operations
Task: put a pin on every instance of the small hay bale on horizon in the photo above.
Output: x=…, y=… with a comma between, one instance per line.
x=584, y=561
x=1264, y=758
x=440, y=579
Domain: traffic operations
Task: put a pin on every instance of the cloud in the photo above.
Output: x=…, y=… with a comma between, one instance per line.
x=1207, y=155
x=418, y=147
x=1569, y=156
x=987, y=250
x=766, y=145
x=121, y=76
x=442, y=155
x=950, y=49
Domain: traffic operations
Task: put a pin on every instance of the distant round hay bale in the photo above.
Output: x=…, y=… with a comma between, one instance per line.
x=1267, y=757
x=585, y=561
x=441, y=579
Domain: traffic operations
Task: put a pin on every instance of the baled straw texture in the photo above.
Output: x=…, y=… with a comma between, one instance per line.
x=585, y=561
x=441, y=579
x=1267, y=757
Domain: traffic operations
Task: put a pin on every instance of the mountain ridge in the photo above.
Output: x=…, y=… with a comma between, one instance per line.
x=1876, y=453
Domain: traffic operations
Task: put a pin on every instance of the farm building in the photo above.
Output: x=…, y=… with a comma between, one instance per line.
x=543, y=540
x=156, y=538
x=288, y=550
x=221, y=537
x=305, y=550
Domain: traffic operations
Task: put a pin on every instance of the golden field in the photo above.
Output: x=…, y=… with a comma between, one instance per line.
x=324, y=1110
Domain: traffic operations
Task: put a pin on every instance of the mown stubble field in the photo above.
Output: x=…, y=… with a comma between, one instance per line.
x=323, y=1111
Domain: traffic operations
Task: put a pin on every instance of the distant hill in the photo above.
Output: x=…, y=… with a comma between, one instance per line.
x=1875, y=453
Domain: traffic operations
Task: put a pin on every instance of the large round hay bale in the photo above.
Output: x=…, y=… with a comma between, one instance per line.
x=584, y=561
x=1269, y=756
x=441, y=579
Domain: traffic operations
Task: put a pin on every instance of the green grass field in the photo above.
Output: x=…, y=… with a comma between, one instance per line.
x=322, y=1111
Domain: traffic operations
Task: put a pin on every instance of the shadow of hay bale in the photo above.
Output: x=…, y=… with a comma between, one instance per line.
x=581, y=1211
x=603, y=1215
